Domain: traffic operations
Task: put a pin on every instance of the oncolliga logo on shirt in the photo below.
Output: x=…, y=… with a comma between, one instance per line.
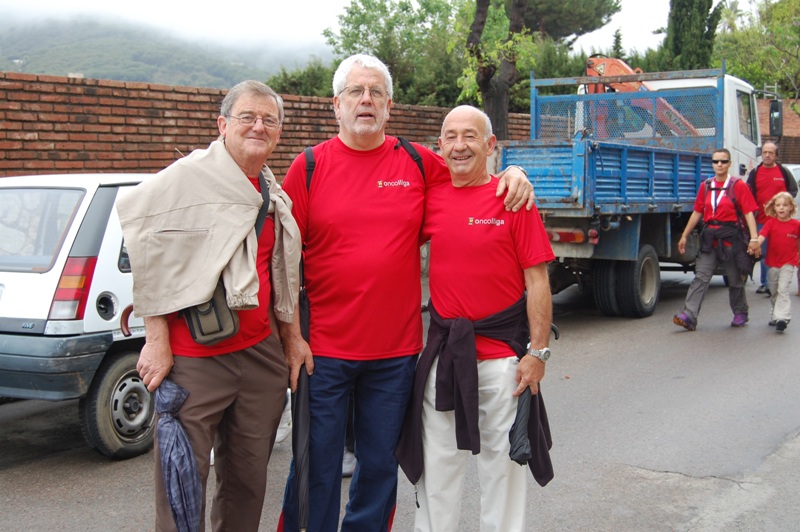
x=397, y=183
x=485, y=221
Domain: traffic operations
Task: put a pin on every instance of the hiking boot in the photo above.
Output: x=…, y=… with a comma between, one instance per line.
x=684, y=321
x=739, y=319
x=763, y=289
x=780, y=326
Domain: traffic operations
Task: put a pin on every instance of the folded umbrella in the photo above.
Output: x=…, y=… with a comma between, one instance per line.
x=301, y=421
x=518, y=437
x=178, y=466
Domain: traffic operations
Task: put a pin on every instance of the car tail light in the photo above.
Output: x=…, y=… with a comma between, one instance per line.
x=72, y=293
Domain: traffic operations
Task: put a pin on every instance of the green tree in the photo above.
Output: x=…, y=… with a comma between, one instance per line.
x=764, y=49
x=730, y=15
x=315, y=79
x=566, y=20
x=412, y=39
x=616, y=49
x=691, y=31
x=499, y=43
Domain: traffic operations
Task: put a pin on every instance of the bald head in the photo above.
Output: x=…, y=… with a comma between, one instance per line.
x=466, y=142
x=769, y=154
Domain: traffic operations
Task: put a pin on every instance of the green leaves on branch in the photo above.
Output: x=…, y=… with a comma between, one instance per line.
x=763, y=46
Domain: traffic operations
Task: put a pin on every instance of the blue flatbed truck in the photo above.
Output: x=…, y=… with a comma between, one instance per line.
x=616, y=173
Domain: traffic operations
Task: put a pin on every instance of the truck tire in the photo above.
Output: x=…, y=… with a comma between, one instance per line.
x=117, y=415
x=604, y=279
x=638, y=284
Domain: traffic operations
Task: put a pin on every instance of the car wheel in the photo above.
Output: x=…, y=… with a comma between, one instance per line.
x=118, y=413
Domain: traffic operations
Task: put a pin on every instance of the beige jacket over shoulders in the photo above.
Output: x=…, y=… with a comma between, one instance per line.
x=286, y=253
x=187, y=226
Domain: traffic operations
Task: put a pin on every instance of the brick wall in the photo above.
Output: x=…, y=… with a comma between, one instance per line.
x=789, y=144
x=54, y=124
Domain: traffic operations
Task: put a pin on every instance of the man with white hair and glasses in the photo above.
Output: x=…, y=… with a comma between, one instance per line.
x=360, y=217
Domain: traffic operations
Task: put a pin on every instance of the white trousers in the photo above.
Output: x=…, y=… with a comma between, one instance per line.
x=503, y=482
x=780, y=280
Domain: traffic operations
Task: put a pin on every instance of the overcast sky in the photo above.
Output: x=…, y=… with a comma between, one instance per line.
x=296, y=21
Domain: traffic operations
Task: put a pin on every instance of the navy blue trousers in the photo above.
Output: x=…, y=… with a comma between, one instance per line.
x=382, y=389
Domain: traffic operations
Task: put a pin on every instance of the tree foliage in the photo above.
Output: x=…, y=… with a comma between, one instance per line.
x=566, y=20
x=412, y=38
x=691, y=32
x=500, y=43
x=315, y=79
x=616, y=49
x=764, y=46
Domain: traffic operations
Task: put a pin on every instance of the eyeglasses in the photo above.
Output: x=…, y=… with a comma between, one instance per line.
x=270, y=122
x=720, y=161
x=356, y=91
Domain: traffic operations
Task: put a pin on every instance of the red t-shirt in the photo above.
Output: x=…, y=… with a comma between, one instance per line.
x=724, y=211
x=360, y=224
x=769, y=181
x=253, y=324
x=782, y=241
x=478, y=253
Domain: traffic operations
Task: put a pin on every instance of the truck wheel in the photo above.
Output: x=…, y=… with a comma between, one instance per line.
x=604, y=279
x=117, y=415
x=638, y=284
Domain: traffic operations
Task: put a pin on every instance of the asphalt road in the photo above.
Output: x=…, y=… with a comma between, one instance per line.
x=654, y=428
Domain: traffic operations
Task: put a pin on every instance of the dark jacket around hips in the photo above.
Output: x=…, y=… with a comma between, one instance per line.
x=788, y=180
x=453, y=341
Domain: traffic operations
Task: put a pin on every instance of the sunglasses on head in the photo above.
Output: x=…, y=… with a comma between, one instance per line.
x=720, y=161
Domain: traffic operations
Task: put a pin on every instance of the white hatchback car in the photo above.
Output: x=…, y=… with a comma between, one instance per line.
x=65, y=284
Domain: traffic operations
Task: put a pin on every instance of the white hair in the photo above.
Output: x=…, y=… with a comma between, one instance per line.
x=366, y=61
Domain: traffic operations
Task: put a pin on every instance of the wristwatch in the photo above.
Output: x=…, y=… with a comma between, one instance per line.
x=542, y=354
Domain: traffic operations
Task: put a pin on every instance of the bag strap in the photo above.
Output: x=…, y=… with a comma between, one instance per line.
x=310, y=164
x=412, y=151
x=402, y=142
x=742, y=221
x=262, y=212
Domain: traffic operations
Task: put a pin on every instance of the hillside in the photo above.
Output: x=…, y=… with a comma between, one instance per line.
x=104, y=50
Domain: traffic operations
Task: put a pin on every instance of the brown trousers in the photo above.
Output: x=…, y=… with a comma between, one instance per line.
x=238, y=399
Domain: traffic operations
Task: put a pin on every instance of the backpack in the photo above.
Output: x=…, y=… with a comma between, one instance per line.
x=747, y=262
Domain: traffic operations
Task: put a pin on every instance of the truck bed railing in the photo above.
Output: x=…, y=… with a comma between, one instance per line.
x=686, y=118
x=586, y=177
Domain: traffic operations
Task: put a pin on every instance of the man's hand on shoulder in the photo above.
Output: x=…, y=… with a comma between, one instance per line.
x=520, y=189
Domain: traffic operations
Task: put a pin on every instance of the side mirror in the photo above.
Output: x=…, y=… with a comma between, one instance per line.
x=775, y=118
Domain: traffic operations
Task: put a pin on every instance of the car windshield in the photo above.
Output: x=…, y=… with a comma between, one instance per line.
x=33, y=224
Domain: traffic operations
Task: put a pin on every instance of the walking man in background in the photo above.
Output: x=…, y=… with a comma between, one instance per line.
x=766, y=180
